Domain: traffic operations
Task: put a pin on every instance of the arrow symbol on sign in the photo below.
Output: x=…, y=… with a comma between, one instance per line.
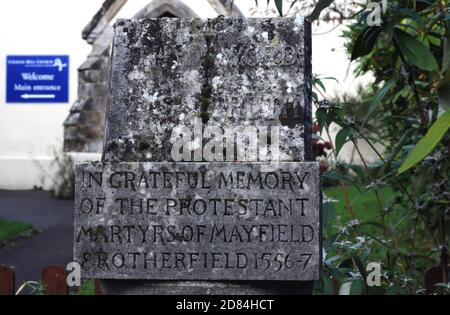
x=28, y=96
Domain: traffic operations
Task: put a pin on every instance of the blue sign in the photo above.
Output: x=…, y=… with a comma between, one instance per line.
x=37, y=79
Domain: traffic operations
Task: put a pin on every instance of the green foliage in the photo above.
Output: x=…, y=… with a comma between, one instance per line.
x=87, y=288
x=64, y=178
x=62, y=175
x=378, y=98
x=365, y=42
x=362, y=202
x=341, y=138
x=395, y=211
x=427, y=144
x=414, y=51
x=405, y=228
x=12, y=229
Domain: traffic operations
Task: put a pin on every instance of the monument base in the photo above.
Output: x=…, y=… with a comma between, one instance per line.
x=151, y=287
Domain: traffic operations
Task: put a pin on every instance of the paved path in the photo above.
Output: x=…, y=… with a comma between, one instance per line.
x=53, y=245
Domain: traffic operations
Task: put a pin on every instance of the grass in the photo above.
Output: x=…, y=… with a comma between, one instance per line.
x=364, y=205
x=87, y=288
x=12, y=229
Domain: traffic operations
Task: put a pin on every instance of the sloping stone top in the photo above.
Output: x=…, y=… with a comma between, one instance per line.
x=230, y=72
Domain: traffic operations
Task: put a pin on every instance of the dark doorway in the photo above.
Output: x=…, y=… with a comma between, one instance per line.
x=167, y=15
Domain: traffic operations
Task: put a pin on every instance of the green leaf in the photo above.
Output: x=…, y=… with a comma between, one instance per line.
x=365, y=42
x=341, y=138
x=279, y=5
x=414, y=51
x=327, y=283
x=318, y=82
x=434, y=40
x=427, y=144
x=315, y=97
x=331, y=117
x=320, y=6
x=378, y=98
x=331, y=78
x=321, y=115
x=357, y=287
x=339, y=115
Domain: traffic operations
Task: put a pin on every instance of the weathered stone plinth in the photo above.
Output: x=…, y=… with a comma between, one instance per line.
x=198, y=221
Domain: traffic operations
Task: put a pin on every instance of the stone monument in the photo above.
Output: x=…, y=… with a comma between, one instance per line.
x=205, y=185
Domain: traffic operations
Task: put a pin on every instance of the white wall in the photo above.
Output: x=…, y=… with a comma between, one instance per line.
x=28, y=133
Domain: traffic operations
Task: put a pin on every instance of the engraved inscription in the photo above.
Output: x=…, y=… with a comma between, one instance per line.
x=197, y=221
